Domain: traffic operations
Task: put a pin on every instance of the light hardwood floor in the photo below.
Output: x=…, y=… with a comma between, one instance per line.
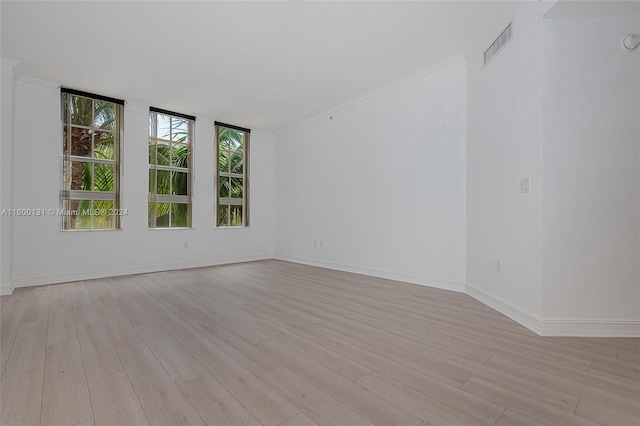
x=275, y=343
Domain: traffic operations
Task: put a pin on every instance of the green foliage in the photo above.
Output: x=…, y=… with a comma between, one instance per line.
x=100, y=117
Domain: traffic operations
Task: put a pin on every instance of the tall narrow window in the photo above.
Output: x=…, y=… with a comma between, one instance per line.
x=90, y=195
x=232, y=148
x=170, y=139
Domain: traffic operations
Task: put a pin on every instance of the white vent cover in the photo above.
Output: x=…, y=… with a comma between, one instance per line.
x=497, y=45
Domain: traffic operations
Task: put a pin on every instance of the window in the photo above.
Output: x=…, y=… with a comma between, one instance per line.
x=232, y=145
x=90, y=195
x=170, y=138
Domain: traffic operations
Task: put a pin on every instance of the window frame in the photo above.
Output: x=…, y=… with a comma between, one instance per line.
x=67, y=195
x=171, y=199
x=229, y=201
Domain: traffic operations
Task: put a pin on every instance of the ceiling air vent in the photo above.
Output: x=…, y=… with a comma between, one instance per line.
x=497, y=45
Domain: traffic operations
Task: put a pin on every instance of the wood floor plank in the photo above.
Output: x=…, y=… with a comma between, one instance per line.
x=215, y=404
x=38, y=305
x=83, y=308
x=603, y=414
x=367, y=404
x=276, y=343
x=512, y=418
x=629, y=355
x=299, y=420
x=118, y=327
x=180, y=365
x=448, y=394
x=65, y=398
x=98, y=354
x=344, y=366
x=29, y=348
x=527, y=404
x=21, y=397
x=428, y=409
x=262, y=402
x=575, y=388
x=115, y=402
x=422, y=363
x=10, y=319
x=254, y=360
x=160, y=397
x=319, y=406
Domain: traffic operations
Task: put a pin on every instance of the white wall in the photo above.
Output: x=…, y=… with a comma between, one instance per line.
x=381, y=184
x=560, y=104
x=6, y=176
x=44, y=254
x=590, y=169
x=503, y=147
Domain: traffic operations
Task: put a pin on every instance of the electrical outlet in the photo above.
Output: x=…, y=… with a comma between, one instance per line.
x=499, y=266
x=320, y=243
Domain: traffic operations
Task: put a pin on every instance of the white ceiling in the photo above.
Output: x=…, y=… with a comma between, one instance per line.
x=263, y=65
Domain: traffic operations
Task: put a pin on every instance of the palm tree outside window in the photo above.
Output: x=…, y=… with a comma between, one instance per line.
x=232, y=147
x=92, y=129
x=170, y=139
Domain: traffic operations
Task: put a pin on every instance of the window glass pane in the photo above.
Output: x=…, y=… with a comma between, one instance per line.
x=162, y=215
x=90, y=131
x=70, y=208
x=104, y=115
x=80, y=110
x=179, y=183
x=65, y=141
x=236, y=187
x=224, y=139
x=235, y=139
x=163, y=155
x=151, y=214
x=236, y=163
x=83, y=218
x=103, y=177
x=179, y=130
x=179, y=215
x=164, y=126
x=164, y=182
x=80, y=142
x=223, y=215
x=180, y=155
x=235, y=216
x=101, y=217
x=104, y=145
x=78, y=176
x=152, y=152
x=152, y=181
x=223, y=161
x=223, y=186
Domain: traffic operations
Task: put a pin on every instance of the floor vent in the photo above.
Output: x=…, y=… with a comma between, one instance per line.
x=497, y=45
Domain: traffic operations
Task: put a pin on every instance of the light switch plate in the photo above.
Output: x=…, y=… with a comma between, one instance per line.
x=524, y=185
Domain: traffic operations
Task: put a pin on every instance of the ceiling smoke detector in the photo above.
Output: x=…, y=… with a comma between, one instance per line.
x=631, y=41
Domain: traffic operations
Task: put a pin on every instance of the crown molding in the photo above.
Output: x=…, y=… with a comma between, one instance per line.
x=452, y=64
x=37, y=84
x=7, y=64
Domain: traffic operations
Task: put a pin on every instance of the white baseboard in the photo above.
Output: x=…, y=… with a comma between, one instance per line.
x=557, y=326
x=442, y=283
x=540, y=326
x=519, y=315
x=6, y=289
x=81, y=276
